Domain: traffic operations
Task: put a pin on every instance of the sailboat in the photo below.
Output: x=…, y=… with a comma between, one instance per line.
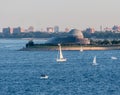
x=94, y=61
x=60, y=57
x=43, y=76
x=113, y=57
x=81, y=49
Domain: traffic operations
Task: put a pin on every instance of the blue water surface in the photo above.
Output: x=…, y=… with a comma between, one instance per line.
x=20, y=71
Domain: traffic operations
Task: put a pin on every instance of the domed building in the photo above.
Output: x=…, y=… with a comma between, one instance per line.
x=76, y=33
x=74, y=37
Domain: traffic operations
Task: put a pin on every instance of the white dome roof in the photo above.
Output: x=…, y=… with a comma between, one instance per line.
x=77, y=33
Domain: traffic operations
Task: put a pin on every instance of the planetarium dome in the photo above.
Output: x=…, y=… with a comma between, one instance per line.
x=73, y=37
x=77, y=33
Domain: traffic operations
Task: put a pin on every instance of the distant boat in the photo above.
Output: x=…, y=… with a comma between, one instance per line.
x=81, y=49
x=60, y=57
x=114, y=58
x=43, y=76
x=94, y=61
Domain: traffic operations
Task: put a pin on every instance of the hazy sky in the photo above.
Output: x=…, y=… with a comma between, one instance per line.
x=65, y=13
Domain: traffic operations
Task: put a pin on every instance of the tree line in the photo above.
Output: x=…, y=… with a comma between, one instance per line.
x=104, y=42
x=102, y=35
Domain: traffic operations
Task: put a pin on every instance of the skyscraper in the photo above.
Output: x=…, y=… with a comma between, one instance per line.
x=56, y=29
x=50, y=29
x=31, y=29
x=6, y=31
x=16, y=30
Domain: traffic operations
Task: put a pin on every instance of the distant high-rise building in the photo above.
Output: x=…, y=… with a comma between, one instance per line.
x=31, y=29
x=50, y=29
x=17, y=30
x=101, y=28
x=56, y=29
x=67, y=29
x=22, y=30
x=6, y=31
x=90, y=30
x=116, y=28
x=107, y=29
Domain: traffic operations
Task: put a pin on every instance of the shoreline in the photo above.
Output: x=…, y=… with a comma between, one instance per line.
x=72, y=48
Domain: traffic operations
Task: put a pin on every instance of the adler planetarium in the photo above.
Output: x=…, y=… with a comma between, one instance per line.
x=74, y=36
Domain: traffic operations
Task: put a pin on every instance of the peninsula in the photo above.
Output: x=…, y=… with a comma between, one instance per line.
x=70, y=47
x=73, y=41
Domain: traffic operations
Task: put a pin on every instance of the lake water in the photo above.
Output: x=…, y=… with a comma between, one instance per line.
x=20, y=71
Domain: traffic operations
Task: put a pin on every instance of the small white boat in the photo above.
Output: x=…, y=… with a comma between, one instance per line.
x=94, y=61
x=81, y=49
x=60, y=57
x=44, y=76
x=114, y=58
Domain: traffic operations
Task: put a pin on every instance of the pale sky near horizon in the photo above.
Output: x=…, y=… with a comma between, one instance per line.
x=78, y=14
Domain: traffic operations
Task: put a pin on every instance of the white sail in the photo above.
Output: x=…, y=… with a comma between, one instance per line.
x=94, y=61
x=60, y=56
x=81, y=49
x=113, y=57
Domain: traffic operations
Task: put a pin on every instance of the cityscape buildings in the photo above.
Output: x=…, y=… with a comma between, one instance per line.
x=9, y=30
